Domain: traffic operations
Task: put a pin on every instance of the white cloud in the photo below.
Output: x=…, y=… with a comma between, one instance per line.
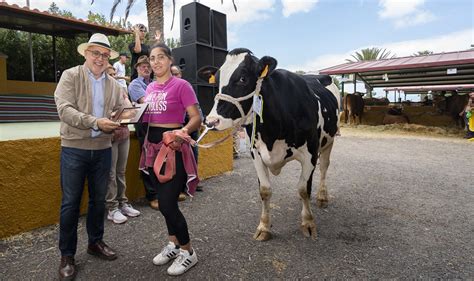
x=295, y=6
x=398, y=8
x=405, y=13
x=420, y=17
x=456, y=41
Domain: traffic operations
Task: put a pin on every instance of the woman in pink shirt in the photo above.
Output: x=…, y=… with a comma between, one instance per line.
x=168, y=99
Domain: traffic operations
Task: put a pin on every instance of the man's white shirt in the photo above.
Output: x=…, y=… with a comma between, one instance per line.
x=120, y=72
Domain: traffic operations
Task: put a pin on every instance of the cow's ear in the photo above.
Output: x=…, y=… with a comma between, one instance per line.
x=265, y=66
x=207, y=73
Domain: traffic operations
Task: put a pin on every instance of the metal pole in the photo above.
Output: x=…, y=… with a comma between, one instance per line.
x=355, y=83
x=31, y=50
x=342, y=89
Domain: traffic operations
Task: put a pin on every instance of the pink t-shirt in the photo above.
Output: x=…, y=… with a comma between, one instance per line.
x=167, y=102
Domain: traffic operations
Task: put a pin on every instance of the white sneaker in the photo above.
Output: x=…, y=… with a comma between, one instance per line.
x=168, y=253
x=183, y=262
x=129, y=211
x=116, y=216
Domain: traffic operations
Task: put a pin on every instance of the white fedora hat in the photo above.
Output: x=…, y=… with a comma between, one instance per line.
x=97, y=39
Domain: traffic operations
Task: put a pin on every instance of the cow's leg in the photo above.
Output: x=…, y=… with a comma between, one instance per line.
x=308, y=226
x=263, y=230
x=322, y=195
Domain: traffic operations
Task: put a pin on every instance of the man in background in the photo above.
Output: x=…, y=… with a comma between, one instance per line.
x=120, y=70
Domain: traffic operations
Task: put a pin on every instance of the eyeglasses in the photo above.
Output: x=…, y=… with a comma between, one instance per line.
x=160, y=57
x=97, y=54
x=176, y=73
x=144, y=66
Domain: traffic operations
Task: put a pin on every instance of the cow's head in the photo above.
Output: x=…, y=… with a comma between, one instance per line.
x=237, y=78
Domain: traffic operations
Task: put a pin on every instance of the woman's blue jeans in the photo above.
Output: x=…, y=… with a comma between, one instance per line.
x=77, y=165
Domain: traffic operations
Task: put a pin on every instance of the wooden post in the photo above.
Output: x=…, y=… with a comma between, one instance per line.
x=3, y=73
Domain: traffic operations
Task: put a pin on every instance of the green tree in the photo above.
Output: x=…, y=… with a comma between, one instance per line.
x=371, y=54
x=15, y=45
x=422, y=53
x=173, y=43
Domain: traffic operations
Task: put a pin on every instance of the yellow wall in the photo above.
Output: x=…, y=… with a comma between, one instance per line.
x=22, y=87
x=29, y=88
x=30, y=193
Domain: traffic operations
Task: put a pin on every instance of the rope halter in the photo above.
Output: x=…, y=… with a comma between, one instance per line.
x=237, y=102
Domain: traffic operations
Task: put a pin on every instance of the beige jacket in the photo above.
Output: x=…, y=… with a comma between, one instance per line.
x=73, y=98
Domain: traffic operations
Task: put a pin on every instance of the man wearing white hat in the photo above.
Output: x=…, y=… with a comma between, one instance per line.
x=85, y=99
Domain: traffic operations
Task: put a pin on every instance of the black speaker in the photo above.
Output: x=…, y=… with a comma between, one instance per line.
x=205, y=94
x=218, y=29
x=218, y=57
x=195, y=24
x=190, y=58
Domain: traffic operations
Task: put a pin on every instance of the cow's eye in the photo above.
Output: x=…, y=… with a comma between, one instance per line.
x=242, y=80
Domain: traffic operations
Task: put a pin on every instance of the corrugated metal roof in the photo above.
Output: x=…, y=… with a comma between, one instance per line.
x=36, y=21
x=442, y=59
x=436, y=69
x=432, y=88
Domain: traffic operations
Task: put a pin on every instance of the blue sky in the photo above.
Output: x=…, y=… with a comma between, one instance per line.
x=313, y=34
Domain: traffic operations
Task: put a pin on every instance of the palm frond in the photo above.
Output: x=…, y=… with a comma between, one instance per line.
x=114, y=7
x=174, y=7
x=127, y=9
x=235, y=6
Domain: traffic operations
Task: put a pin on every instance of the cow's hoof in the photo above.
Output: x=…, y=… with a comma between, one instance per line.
x=309, y=230
x=322, y=203
x=262, y=235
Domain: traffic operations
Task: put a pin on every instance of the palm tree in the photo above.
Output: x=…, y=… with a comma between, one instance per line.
x=422, y=53
x=154, y=10
x=371, y=54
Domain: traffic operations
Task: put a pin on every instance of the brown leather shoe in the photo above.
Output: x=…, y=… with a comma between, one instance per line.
x=154, y=204
x=182, y=196
x=67, y=268
x=101, y=250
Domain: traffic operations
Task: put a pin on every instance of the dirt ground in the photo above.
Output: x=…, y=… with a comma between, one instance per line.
x=401, y=206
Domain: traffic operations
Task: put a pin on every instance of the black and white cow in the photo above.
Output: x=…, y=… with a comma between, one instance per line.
x=300, y=121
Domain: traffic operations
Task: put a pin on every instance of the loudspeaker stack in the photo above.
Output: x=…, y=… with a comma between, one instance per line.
x=203, y=42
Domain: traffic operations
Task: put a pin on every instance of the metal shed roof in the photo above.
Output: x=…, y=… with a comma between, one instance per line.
x=454, y=87
x=25, y=19
x=436, y=69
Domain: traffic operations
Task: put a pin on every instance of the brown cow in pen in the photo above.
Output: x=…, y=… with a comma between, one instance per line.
x=452, y=105
x=353, y=105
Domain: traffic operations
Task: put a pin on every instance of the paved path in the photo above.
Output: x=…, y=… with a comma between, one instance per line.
x=399, y=208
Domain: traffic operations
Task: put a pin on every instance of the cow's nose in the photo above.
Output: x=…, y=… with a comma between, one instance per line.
x=211, y=122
